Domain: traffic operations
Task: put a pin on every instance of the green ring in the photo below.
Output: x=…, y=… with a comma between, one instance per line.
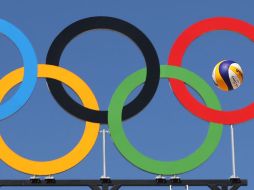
x=130, y=153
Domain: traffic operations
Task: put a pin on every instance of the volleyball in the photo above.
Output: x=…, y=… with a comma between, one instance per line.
x=227, y=75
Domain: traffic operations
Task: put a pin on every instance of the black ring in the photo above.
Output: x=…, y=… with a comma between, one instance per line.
x=144, y=44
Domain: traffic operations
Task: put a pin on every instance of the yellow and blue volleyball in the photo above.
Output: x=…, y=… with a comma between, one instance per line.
x=227, y=75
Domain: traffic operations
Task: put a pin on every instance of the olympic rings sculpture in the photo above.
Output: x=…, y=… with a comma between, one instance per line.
x=117, y=112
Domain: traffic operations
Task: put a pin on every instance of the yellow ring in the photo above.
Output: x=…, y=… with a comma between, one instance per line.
x=87, y=141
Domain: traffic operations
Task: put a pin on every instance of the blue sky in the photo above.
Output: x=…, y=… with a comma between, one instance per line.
x=164, y=130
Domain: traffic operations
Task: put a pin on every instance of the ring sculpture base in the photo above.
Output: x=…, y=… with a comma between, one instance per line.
x=214, y=184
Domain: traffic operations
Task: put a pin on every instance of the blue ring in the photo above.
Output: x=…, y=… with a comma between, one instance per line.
x=30, y=69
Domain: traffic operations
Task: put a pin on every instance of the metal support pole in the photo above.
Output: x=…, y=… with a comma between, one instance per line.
x=104, y=152
x=104, y=169
x=233, y=152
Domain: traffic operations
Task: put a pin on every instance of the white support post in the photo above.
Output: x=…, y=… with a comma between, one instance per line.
x=233, y=152
x=104, y=169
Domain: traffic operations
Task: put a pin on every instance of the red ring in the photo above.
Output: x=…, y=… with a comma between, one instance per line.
x=176, y=56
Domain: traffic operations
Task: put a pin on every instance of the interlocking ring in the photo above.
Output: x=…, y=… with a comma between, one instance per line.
x=79, y=152
x=138, y=37
x=176, y=56
x=30, y=63
x=138, y=159
x=117, y=111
